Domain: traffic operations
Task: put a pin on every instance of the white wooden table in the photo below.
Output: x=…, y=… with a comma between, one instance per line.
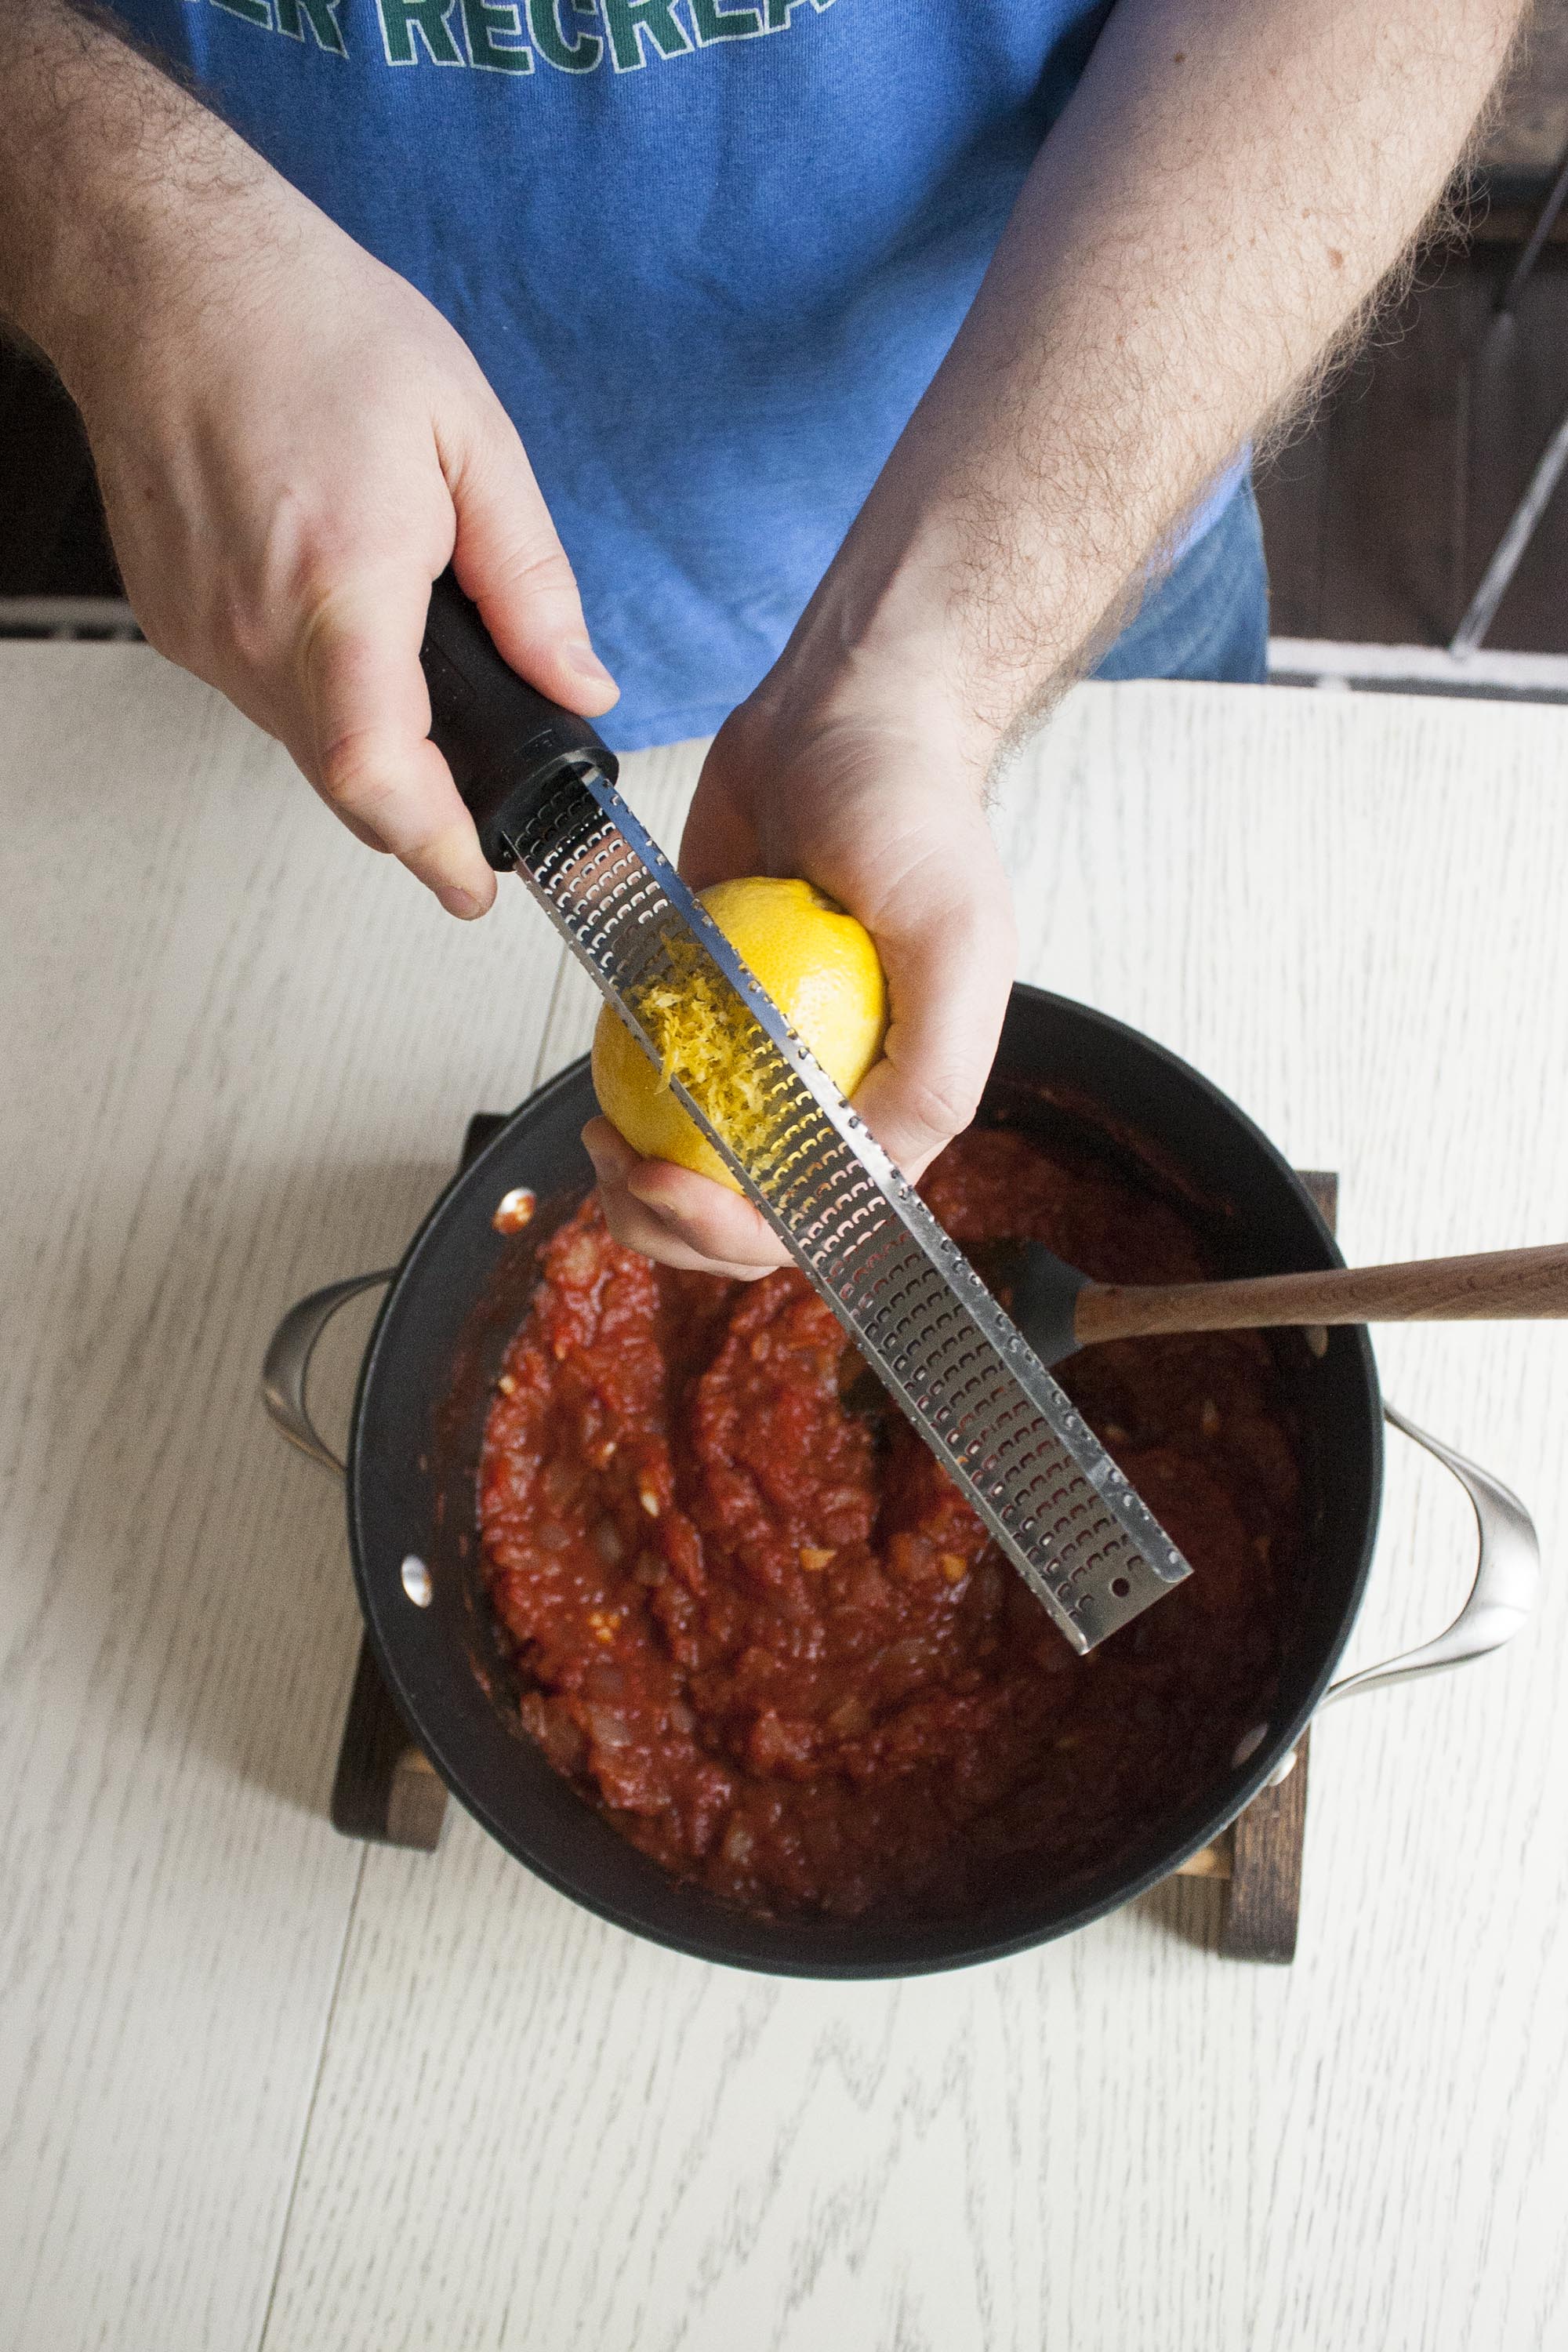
x=263, y=2089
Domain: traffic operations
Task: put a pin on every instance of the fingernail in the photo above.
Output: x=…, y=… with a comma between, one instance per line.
x=582, y=658
x=459, y=902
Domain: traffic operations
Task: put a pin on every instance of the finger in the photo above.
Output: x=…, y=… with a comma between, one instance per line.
x=367, y=723
x=718, y=841
x=510, y=561
x=706, y=1217
x=637, y=1228
x=947, y=945
x=301, y=750
x=639, y=1213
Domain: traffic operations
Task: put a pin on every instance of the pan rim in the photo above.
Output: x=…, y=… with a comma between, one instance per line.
x=948, y=1945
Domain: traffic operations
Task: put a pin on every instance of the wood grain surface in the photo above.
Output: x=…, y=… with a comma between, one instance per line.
x=1263, y=1907
x=266, y=2091
x=1495, y=1286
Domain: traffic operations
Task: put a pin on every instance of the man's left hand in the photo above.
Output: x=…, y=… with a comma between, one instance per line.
x=878, y=801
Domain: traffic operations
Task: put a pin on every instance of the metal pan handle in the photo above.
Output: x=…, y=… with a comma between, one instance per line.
x=286, y=1364
x=1508, y=1572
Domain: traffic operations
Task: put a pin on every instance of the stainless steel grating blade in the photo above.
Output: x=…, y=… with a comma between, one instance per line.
x=1044, y=1485
x=540, y=785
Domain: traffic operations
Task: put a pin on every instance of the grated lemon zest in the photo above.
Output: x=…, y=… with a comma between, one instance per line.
x=705, y=1039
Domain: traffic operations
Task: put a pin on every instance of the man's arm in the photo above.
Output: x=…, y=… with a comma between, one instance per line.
x=1231, y=184
x=1226, y=191
x=200, y=311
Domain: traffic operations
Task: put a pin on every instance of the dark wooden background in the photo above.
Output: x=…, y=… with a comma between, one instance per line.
x=1379, y=516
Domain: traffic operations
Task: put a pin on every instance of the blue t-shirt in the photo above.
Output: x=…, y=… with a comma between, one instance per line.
x=709, y=253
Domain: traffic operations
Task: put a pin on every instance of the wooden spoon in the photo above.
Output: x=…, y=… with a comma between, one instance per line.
x=1058, y=1309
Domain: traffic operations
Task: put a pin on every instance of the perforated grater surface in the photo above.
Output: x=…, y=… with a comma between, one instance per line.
x=542, y=788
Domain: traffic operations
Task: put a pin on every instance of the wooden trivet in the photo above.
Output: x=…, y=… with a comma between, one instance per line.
x=386, y=1789
x=1258, y=1859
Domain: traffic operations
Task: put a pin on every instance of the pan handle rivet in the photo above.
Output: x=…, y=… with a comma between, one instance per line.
x=417, y=1581
x=1248, y=1745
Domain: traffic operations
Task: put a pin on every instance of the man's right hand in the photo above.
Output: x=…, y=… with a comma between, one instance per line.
x=292, y=442
x=290, y=455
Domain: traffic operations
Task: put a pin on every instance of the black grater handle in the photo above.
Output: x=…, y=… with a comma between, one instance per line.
x=504, y=742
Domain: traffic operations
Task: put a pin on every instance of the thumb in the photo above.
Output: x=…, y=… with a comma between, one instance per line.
x=509, y=558
x=946, y=939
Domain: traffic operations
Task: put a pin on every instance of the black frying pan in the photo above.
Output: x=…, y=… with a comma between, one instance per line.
x=419, y=1415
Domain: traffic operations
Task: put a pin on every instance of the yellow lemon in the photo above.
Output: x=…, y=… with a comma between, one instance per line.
x=819, y=966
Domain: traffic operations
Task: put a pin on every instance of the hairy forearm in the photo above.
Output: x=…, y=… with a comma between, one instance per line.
x=1228, y=187
x=191, y=297
x=109, y=175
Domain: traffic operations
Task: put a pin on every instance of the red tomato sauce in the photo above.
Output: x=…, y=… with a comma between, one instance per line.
x=764, y=1633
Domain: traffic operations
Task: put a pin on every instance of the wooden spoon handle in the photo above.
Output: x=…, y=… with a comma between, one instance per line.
x=1499, y=1285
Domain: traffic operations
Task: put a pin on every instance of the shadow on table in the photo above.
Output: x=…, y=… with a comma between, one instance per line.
x=1190, y=1909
